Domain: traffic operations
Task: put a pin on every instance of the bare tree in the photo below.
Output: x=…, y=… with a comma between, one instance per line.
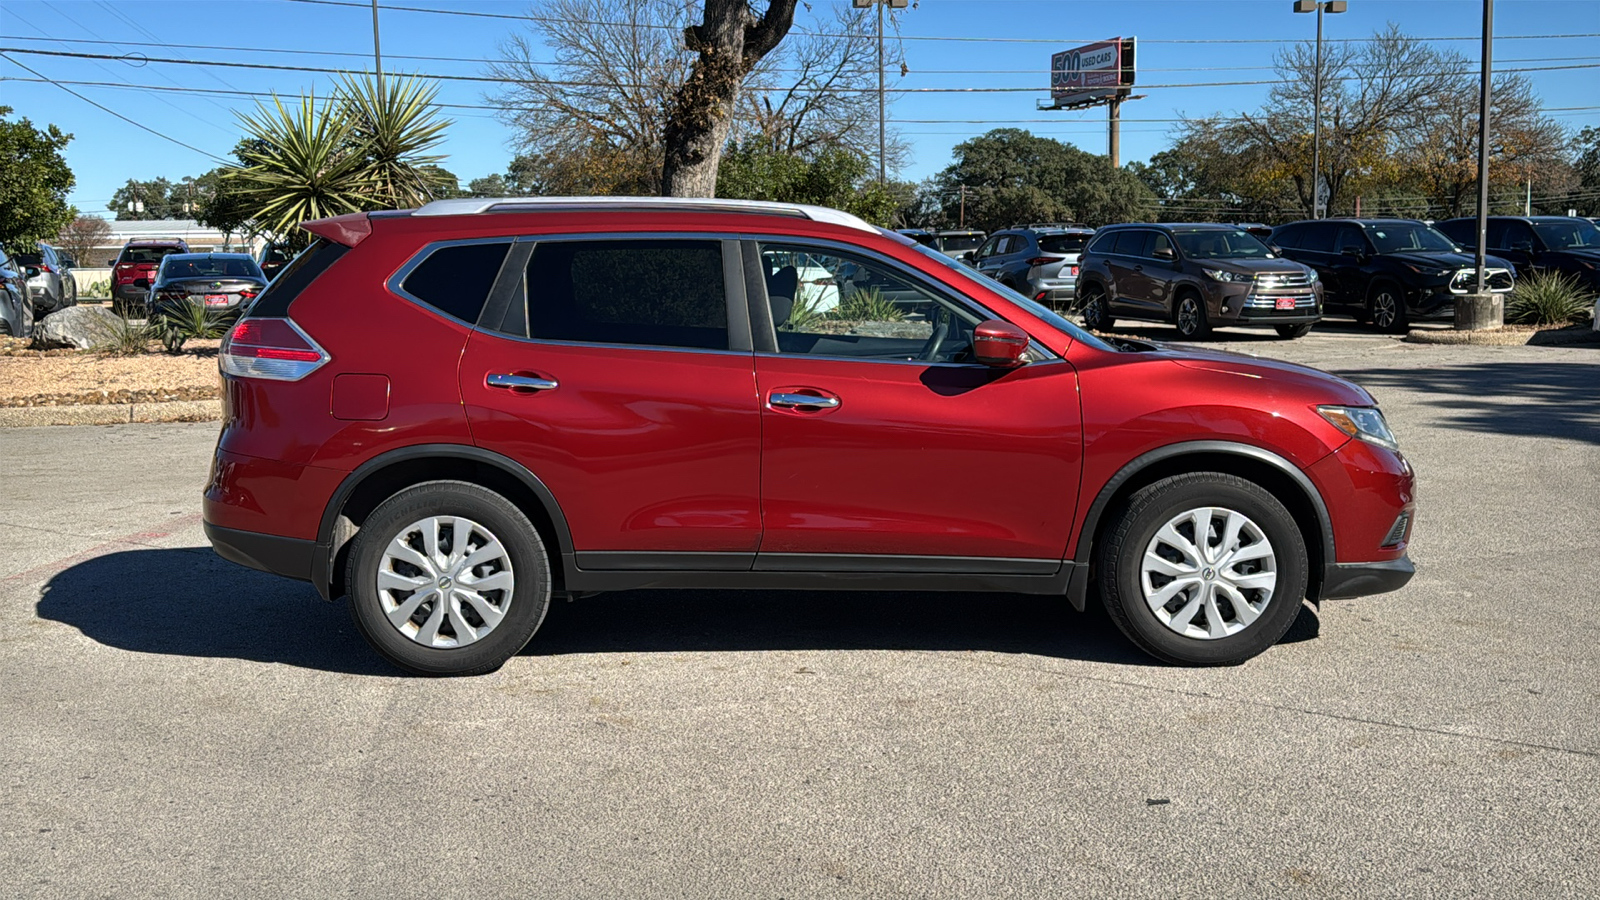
x=82, y=235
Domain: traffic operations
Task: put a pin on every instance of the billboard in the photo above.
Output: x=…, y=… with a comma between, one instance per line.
x=1093, y=72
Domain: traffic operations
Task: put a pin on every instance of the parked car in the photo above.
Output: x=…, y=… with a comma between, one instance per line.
x=1038, y=262
x=454, y=413
x=134, y=269
x=16, y=308
x=221, y=283
x=959, y=243
x=1196, y=276
x=50, y=282
x=1567, y=245
x=273, y=258
x=922, y=236
x=1387, y=272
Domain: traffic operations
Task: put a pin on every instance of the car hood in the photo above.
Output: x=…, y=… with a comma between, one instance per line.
x=1253, y=266
x=1275, y=376
x=1444, y=259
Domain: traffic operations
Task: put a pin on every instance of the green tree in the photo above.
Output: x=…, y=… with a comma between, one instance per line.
x=1012, y=176
x=1587, y=163
x=830, y=177
x=139, y=201
x=393, y=124
x=34, y=181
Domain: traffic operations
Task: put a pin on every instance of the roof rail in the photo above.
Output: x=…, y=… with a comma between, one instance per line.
x=472, y=206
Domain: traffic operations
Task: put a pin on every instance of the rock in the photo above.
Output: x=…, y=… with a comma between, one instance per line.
x=76, y=326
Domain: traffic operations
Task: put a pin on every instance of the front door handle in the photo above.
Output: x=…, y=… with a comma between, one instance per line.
x=1138, y=268
x=797, y=401
x=520, y=382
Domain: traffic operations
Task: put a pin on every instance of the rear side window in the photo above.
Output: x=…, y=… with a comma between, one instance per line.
x=1103, y=243
x=455, y=278
x=1318, y=237
x=1463, y=231
x=1287, y=236
x=661, y=293
x=296, y=277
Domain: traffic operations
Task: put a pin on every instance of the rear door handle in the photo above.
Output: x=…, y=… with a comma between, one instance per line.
x=520, y=382
x=793, y=401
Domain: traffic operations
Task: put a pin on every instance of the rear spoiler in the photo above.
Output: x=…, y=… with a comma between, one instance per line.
x=347, y=230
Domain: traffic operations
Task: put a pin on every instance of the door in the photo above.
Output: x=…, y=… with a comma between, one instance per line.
x=1346, y=268
x=991, y=259
x=1134, y=287
x=882, y=439
x=617, y=376
x=1515, y=242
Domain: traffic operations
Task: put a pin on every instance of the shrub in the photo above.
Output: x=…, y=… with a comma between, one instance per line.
x=867, y=305
x=183, y=321
x=1548, y=299
x=125, y=339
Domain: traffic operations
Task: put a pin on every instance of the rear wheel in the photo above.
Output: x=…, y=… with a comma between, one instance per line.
x=1203, y=569
x=1295, y=331
x=448, y=578
x=1386, y=308
x=1096, y=316
x=1190, y=317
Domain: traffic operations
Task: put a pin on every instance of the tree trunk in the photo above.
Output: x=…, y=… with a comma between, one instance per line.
x=730, y=41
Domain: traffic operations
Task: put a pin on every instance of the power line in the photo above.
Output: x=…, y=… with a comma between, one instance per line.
x=910, y=37
x=124, y=118
x=487, y=79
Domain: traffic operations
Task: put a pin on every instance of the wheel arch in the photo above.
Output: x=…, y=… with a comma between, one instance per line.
x=1278, y=475
x=381, y=477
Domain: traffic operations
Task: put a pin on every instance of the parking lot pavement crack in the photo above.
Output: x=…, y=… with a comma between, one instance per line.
x=1362, y=720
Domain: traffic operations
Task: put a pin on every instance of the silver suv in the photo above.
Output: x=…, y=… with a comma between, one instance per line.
x=50, y=282
x=1040, y=262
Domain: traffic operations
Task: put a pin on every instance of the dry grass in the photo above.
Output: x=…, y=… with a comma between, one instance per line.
x=31, y=378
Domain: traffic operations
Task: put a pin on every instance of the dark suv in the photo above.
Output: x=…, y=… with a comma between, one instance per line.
x=1041, y=263
x=452, y=414
x=1195, y=276
x=1566, y=245
x=1387, y=272
x=133, y=271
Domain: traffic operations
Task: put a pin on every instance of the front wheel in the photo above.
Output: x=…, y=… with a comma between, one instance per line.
x=1096, y=316
x=448, y=578
x=1203, y=569
x=1295, y=331
x=1386, y=308
x=1191, y=318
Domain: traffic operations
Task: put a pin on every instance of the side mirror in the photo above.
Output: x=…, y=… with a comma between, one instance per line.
x=967, y=257
x=141, y=282
x=1352, y=252
x=1275, y=249
x=1165, y=253
x=998, y=343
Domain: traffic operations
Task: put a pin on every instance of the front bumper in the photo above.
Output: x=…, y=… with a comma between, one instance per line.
x=1342, y=581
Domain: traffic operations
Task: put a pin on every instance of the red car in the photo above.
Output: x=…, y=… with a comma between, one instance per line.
x=134, y=270
x=452, y=414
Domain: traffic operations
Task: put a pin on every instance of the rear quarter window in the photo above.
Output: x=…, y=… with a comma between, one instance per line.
x=455, y=279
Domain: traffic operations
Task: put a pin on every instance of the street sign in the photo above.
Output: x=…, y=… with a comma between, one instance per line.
x=1093, y=73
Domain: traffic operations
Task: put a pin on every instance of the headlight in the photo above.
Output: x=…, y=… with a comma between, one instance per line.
x=1220, y=275
x=1427, y=270
x=1364, y=422
x=1313, y=275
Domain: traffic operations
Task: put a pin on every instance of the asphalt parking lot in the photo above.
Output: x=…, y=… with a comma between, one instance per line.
x=178, y=726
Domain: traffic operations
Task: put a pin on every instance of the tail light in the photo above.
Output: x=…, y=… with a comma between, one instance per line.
x=1041, y=295
x=1073, y=270
x=274, y=349
x=247, y=295
x=1045, y=260
x=45, y=268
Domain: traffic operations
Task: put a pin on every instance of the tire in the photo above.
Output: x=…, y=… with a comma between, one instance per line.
x=1386, y=308
x=1181, y=630
x=72, y=291
x=1096, y=316
x=429, y=641
x=1190, y=317
x=1295, y=331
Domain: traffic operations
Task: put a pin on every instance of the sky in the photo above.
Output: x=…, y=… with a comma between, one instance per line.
x=1184, y=48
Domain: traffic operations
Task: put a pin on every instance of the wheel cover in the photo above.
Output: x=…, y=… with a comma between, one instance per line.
x=1383, y=309
x=1208, y=573
x=1188, y=316
x=445, y=582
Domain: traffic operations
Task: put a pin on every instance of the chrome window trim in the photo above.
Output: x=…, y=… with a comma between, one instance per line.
x=423, y=254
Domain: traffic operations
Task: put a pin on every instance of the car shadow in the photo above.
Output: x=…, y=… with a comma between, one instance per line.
x=1522, y=399
x=189, y=602
x=1233, y=334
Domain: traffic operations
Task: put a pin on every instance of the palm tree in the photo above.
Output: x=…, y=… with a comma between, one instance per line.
x=395, y=122
x=299, y=163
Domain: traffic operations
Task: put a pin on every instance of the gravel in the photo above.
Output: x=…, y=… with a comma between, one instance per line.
x=68, y=377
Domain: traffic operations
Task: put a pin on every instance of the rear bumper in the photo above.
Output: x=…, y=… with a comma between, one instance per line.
x=289, y=557
x=1344, y=580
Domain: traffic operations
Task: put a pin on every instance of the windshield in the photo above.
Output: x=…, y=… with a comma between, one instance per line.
x=1062, y=243
x=141, y=255
x=960, y=242
x=1212, y=244
x=1055, y=319
x=1399, y=237
x=1573, y=234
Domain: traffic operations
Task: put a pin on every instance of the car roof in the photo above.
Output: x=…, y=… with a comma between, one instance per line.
x=472, y=206
x=209, y=255
x=156, y=242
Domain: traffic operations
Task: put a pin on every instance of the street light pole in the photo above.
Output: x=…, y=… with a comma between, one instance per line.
x=1487, y=66
x=883, y=140
x=377, y=54
x=1329, y=6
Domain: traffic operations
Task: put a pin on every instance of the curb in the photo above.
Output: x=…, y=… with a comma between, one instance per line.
x=111, y=413
x=1496, y=338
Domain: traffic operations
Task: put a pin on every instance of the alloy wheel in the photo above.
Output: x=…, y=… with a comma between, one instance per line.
x=445, y=581
x=1384, y=310
x=1188, y=316
x=1208, y=573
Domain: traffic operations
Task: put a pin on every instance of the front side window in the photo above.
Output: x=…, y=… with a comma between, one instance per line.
x=1349, y=238
x=663, y=293
x=990, y=248
x=825, y=303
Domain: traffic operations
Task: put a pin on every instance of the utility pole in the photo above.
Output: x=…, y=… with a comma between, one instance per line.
x=883, y=139
x=1483, y=310
x=1319, y=6
x=377, y=52
x=1114, y=120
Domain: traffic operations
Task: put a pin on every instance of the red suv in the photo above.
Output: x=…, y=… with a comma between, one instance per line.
x=134, y=270
x=452, y=414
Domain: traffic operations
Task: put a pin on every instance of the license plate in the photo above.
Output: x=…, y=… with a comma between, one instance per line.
x=1285, y=303
x=224, y=300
